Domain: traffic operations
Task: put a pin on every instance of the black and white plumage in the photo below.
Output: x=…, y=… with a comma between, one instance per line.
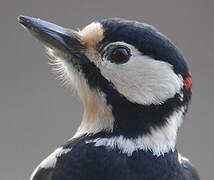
x=135, y=87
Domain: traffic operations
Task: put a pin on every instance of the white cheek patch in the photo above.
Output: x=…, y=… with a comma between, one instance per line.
x=160, y=141
x=51, y=160
x=143, y=80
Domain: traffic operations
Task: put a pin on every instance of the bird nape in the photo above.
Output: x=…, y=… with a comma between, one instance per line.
x=135, y=87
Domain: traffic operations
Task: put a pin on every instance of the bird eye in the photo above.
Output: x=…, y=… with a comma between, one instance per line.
x=119, y=55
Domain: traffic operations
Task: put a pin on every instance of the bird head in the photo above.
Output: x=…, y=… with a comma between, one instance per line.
x=132, y=80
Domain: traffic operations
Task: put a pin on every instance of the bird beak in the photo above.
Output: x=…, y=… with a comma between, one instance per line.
x=53, y=36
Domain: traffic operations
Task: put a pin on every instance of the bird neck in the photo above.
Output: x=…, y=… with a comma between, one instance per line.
x=159, y=140
x=132, y=126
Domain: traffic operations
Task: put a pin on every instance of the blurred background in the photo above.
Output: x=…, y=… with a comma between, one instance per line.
x=37, y=114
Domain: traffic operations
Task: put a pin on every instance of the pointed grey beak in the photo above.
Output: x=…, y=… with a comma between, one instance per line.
x=53, y=36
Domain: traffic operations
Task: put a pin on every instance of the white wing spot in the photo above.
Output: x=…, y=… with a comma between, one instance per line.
x=51, y=160
x=181, y=158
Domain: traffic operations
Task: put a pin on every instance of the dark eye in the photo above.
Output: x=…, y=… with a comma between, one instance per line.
x=119, y=55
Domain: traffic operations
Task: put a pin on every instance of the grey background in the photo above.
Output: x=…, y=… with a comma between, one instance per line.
x=37, y=114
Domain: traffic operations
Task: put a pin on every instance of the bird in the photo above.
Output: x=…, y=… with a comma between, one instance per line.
x=135, y=87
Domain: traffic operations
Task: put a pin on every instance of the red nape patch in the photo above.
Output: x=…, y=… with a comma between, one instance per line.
x=188, y=83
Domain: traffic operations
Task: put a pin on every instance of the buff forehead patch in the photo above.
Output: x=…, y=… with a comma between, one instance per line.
x=92, y=34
